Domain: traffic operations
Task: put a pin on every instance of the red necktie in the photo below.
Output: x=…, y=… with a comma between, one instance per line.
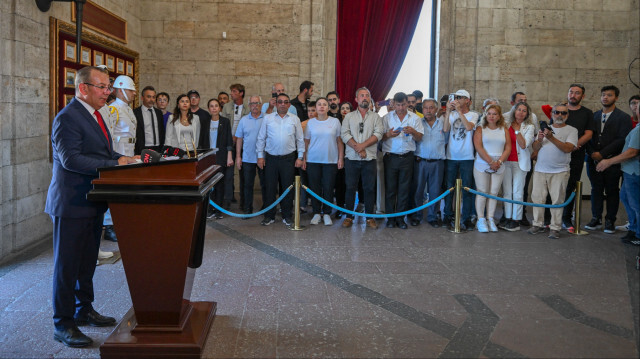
x=102, y=126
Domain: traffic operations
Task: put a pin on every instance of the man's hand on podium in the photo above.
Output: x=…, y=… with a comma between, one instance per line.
x=125, y=160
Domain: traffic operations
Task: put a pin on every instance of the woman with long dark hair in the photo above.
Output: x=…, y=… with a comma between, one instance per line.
x=183, y=127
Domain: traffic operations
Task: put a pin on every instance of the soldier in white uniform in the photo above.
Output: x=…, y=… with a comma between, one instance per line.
x=122, y=126
x=121, y=121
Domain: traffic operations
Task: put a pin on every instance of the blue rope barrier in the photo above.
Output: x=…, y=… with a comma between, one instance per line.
x=430, y=203
x=284, y=194
x=571, y=197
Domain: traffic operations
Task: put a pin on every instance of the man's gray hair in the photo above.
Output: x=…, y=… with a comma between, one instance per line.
x=430, y=100
x=84, y=75
x=258, y=96
x=363, y=88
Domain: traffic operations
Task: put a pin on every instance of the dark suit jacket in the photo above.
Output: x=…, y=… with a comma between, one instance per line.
x=140, y=129
x=610, y=141
x=224, y=141
x=79, y=149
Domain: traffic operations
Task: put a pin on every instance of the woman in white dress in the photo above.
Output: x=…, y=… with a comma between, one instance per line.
x=183, y=127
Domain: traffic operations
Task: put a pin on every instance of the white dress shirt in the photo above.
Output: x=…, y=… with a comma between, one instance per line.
x=280, y=136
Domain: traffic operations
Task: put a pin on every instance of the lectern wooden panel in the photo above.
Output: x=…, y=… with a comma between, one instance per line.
x=159, y=214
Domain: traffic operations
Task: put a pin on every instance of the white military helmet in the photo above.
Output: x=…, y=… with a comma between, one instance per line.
x=124, y=82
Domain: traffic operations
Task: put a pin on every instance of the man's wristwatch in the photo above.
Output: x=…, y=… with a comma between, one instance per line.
x=517, y=132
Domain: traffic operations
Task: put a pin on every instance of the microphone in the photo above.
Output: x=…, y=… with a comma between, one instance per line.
x=150, y=156
x=168, y=151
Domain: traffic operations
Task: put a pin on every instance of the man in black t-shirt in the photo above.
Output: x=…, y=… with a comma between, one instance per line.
x=302, y=100
x=203, y=115
x=581, y=118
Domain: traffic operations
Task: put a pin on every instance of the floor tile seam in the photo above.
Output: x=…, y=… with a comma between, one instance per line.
x=272, y=251
x=464, y=332
x=587, y=320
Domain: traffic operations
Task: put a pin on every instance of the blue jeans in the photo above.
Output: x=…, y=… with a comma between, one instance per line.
x=630, y=197
x=465, y=168
x=428, y=175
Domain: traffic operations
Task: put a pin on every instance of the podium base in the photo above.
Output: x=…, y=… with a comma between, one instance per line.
x=188, y=343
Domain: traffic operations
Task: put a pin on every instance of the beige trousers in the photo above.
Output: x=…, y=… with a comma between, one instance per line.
x=555, y=185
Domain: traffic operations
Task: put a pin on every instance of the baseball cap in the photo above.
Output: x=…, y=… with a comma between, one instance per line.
x=193, y=92
x=463, y=93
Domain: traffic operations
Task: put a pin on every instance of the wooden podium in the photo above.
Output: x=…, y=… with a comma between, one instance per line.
x=159, y=213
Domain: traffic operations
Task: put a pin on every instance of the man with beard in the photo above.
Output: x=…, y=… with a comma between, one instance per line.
x=301, y=101
x=361, y=131
x=460, y=122
x=411, y=103
x=611, y=127
x=334, y=105
x=581, y=118
x=554, y=147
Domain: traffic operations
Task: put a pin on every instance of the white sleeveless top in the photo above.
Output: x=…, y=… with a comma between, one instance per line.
x=493, y=142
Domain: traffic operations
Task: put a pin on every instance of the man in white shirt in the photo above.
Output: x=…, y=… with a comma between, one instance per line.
x=460, y=123
x=402, y=129
x=279, y=140
x=551, y=173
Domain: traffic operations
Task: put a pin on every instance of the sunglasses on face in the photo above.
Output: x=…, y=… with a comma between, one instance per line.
x=563, y=113
x=281, y=102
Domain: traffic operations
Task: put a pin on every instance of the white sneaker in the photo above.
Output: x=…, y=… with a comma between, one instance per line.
x=316, y=219
x=492, y=225
x=104, y=255
x=482, y=225
x=624, y=227
x=327, y=220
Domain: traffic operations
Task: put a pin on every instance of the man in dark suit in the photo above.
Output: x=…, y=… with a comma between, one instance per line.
x=150, y=129
x=81, y=143
x=611, y=127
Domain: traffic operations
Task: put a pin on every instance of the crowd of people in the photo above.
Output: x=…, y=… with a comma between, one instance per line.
x=412, y=154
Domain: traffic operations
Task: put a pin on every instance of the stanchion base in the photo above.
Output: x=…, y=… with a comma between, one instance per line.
x=579, y=232
x=454, y=231
x=300, y=228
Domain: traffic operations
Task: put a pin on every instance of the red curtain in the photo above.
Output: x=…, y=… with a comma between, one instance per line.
x=373, y=40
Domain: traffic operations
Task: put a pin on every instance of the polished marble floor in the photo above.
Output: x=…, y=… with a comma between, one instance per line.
x=361, y=293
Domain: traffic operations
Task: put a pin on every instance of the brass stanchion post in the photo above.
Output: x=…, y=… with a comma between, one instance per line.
x=296, y=209
x=458, y=205
x=578, y=208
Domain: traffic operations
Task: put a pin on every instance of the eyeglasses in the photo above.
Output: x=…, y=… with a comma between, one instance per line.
x=563, y=113
x=459, y=97
x=253, y=103
x=100, y=87
x=361, y=127
x=236, y=111
x=283, y=102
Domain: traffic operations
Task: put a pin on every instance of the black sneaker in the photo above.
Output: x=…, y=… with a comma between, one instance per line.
x=630, y=235
x=211, y=214
x=267, y=221
x=287, y=222
x=338, y=215
x=609, y=227
x=524, y=221
x=468, y=225
x=503, y=222
x=512, y=226
x=593, y=224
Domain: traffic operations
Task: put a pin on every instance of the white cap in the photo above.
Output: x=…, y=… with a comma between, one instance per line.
x=463, y=93
x=124, y=82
